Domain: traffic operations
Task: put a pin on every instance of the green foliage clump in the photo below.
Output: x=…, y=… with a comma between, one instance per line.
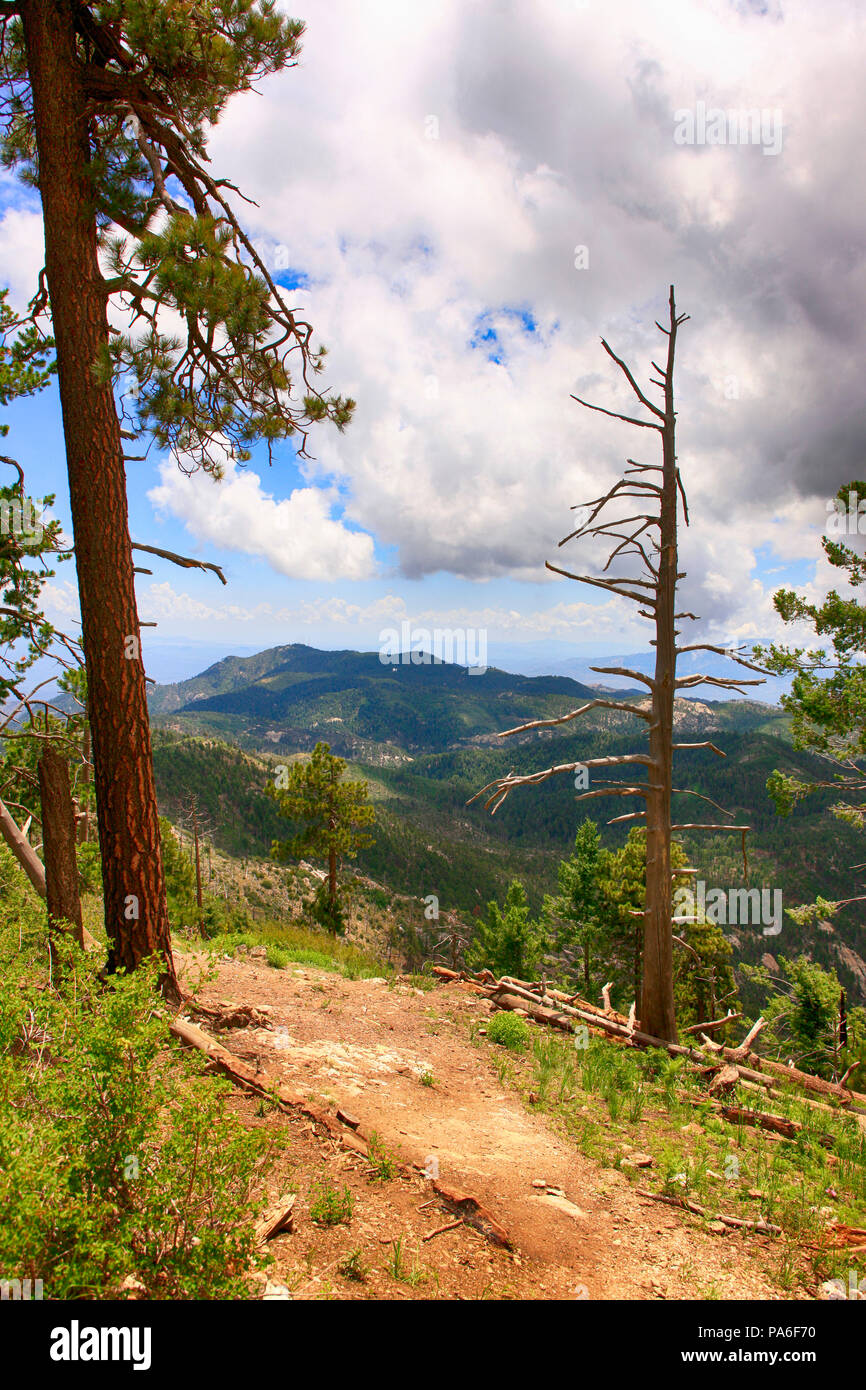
x=509, y=1030
x=575, y=912
x=328, y=912
x=276, y=956
x=383, y=1164
x=804, y=1019
x=24, y=542
x=509, y=942
x=328, y=1206
x=120, y=1164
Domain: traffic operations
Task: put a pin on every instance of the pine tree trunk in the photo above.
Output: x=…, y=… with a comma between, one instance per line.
x=332, y=877
x=198, y=893
x=136, y=916
x=58, y=850
x=332, y=850
x=86, y=753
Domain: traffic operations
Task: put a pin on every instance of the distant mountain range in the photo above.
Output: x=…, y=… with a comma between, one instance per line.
x=288, y=694
x=427, y=738
x=291, y=695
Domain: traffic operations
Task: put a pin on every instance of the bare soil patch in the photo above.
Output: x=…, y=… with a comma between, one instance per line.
x=364, y=1048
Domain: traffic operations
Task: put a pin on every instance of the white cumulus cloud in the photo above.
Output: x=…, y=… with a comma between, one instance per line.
x=296, y=535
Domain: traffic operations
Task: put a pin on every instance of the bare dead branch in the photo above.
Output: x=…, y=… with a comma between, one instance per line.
x=182, y=560
x=644, y=400
x=574, y=714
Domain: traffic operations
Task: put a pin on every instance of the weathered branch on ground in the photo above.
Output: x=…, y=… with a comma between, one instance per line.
x=277, y=1220
x=716, y=1023
x=263, y=1084
x=776, y=1124
x=440, y=1230
x=763, y=1227
x=472, y=1213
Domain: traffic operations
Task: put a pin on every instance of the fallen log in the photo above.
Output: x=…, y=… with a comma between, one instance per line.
x=724, y=1080
x=715, y=1023
x=533, y=988
x=847, y=1098
x=812, y=1083
x=773, y=1093
x=776, y=1124
x=226, y=1015
x=261, y=1083
x=22, y=849
x=537, y=1012
x=461, y=977
x=522, y=997
x=276, y=1220
x=761, y=1226
x=739, y=1054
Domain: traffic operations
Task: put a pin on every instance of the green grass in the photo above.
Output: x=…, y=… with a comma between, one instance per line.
x=611, y=1100
x=423, y=982
x=399, y=1269
x=355, y=1267
x=289, y=944
x=277, y=956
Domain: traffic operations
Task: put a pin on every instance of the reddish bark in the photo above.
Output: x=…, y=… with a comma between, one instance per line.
x=136, y=916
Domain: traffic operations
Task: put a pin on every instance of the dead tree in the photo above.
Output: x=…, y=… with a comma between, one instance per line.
x=197, y=825
x=58, y=848
x=648, y=538
x=454, y=943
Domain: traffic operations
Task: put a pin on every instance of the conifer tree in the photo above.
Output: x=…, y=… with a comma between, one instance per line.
x=332, y=815
x=827, y=700
x=574, y=912
x=25, y=368
x=107, y=107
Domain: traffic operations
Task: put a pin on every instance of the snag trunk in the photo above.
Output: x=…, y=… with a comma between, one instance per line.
x=657, y=1012
x=58, y=849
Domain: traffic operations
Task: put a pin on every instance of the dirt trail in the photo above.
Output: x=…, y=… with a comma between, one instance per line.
x=364, y=1047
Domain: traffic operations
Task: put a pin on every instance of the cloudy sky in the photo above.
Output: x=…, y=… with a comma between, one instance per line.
x=464, y=196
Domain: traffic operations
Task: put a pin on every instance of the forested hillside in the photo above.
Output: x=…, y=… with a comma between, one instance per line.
x=426, y=739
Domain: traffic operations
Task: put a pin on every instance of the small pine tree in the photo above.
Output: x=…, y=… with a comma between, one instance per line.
x=333, y=815
x=804, y=1018
x=574, y=913
x=509, y=942
x=704, y=983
